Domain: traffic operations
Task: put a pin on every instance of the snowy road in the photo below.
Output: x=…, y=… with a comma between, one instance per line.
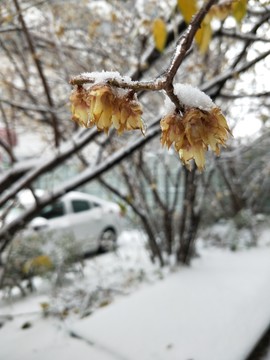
x=215, y=310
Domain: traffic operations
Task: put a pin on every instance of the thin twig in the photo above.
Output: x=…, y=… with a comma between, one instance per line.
x=241, y=36
x=239, y=96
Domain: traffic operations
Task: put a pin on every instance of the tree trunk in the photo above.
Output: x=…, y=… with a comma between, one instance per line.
x=189, y=220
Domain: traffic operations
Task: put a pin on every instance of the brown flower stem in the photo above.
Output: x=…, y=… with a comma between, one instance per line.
x=131, y=85
x=174, y=98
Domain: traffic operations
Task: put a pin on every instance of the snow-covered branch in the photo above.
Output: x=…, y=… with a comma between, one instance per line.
x=75, y=145
x=165, y=80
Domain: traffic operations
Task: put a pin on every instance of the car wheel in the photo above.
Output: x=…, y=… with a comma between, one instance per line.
x=108, y=240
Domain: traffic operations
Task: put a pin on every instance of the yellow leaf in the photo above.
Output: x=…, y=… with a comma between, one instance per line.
x=44, y=306
x=93, y=27
x=221, y=11
x=39, y=264
x=239, y=9
x=187, y=8
x=204, y=35
x=160, y=34
x=60, y=31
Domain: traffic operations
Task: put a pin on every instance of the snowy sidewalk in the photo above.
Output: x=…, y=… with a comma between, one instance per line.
x=215, y=310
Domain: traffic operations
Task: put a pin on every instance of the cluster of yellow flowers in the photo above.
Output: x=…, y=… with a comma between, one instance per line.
x=101, y=105
x=193, y=132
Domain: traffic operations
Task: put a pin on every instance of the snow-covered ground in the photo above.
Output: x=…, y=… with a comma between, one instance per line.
x=127, y=308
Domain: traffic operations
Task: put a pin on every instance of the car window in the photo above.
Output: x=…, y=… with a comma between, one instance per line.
x=80, y=205
x=53, y=211
x=94, y=204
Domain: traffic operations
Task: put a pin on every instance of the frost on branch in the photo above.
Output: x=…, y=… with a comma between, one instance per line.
x=106, y=106
x=97, y=77
x=201, y=125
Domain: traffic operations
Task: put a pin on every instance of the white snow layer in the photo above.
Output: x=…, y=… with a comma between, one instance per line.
x=189, y=96
x=103, y=76
x=215, y=310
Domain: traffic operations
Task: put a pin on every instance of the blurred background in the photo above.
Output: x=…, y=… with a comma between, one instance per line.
x=138, y=187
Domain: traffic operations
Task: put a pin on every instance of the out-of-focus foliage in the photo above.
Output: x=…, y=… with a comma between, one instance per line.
x=37, y=255
x=38, y=265
x=188, y=9
x=239, y=10
x=203, y=36
x=236, y=8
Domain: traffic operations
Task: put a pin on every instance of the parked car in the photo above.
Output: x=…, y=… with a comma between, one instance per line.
x=92, y=222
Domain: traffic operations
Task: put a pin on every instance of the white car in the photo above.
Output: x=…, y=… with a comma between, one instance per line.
x=93, y=223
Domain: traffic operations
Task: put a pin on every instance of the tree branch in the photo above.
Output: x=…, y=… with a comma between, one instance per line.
x=8, y=150
x=39, y=69
x=28, y=107
x=241, y=36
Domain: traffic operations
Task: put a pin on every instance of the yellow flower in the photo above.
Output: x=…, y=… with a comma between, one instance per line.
x=101, y=105
x=194, y=132
x=128, y=115
x=172, y=130
x=101, y=98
